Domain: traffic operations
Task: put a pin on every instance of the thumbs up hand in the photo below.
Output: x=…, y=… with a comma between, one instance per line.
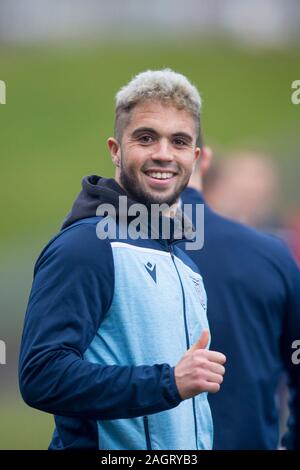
x=202, y=341
x=199, y=370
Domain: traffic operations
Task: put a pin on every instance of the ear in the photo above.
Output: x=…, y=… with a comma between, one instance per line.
x=197, y=154
x=115, y=150
x=206, y=159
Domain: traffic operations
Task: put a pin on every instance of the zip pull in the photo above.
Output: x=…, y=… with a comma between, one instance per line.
x=170, y=249
x=147, y=433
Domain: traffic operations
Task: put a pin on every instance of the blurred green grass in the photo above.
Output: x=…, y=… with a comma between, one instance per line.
x=23, y=427
x=53, y=130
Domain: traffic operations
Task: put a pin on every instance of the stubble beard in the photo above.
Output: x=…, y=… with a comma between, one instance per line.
x=141, y=195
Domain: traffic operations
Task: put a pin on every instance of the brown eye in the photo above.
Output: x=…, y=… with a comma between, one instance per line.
x=145, y=139
x=179, y=142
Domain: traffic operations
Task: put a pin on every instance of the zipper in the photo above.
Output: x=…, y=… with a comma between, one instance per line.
x=170, y=249
x=147, y=433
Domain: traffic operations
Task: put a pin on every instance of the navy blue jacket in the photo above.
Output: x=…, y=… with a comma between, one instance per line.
x=107, y=320
x=253, y=291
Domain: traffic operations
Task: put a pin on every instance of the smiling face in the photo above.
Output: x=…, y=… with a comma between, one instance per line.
x=157, y=152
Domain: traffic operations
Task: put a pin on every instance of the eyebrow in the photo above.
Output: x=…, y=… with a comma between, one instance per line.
x=139, y=130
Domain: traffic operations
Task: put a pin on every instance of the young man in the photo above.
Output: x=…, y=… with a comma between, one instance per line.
x=253, y=287
x=115, y=334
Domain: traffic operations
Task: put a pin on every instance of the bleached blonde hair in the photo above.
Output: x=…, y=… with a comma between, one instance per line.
x=157, y=85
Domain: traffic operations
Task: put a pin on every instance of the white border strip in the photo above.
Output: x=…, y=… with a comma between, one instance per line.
x=156, y=252
x=139, y=248
x=195, y=273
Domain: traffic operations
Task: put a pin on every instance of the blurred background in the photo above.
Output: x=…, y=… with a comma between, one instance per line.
x=62, y=63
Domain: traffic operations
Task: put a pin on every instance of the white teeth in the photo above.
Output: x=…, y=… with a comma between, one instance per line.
x=159, y=175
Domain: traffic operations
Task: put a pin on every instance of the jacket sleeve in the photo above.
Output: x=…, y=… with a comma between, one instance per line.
x=290, y=334
x=72, y=290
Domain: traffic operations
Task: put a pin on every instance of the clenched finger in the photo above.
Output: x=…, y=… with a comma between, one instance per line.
x=211, y=387
x=216, y=368
x=216, y=378
x=215, y=356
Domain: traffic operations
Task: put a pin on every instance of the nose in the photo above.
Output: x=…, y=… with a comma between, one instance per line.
x=163, y=151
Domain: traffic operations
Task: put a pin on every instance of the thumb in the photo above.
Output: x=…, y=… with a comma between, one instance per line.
x=202, y=341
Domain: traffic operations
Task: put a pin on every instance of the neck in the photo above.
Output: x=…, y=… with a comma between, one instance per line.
x=171, y=211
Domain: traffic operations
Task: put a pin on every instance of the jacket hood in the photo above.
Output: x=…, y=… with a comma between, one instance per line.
x=97, y=190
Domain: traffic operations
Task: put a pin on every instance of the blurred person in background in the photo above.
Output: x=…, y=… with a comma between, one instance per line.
x=253, y=285
x=244, y=187
x=293, y=222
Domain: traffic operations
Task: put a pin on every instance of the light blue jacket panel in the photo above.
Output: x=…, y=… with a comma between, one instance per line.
x=158, y=311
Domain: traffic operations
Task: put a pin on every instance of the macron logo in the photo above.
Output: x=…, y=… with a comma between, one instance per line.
x=151, y=268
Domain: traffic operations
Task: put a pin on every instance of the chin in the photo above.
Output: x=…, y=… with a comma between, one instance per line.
x=169, y=199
